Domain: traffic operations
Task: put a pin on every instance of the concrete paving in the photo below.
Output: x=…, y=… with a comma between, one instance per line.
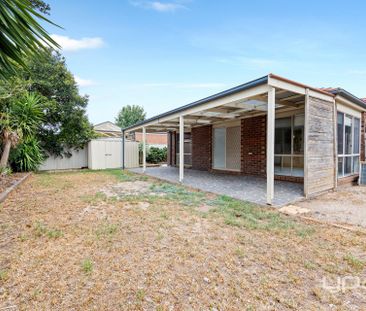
x=246, y=188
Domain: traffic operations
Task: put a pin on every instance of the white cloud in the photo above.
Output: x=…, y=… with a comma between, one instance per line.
x=159, y=6
x=83, y=82
x=69, y=44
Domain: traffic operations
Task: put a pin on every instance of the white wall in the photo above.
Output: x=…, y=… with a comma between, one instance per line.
x=79, y=159
x=100, y=153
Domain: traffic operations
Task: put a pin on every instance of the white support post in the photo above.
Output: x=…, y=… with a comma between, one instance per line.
x=306, y=137
x=181, y=148
x=143, y=149
x=270, y=143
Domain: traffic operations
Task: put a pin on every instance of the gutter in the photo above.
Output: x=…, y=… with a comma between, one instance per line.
x=349, y=96
x=236, y=89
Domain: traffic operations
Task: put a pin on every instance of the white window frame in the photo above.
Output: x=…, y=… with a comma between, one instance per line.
x=292, y=155
x=351, y=155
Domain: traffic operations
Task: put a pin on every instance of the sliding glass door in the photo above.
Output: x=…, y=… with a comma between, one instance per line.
x=226, y=148
x=289, y=146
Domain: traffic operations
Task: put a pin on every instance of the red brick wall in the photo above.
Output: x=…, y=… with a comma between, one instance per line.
x=169, y=146
x=202, y=148
x=253, y=146
x=363, y=136
x=174, y=139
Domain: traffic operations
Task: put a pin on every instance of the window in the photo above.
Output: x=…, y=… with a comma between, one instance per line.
x=289, y=146
x=348, y=140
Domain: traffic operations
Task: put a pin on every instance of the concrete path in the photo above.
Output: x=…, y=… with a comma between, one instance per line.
x=246, y=188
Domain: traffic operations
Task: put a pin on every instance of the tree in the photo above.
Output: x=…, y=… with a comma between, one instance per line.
x=66, y=124
x=130, y=115
x=21, y=33
x=20, y=122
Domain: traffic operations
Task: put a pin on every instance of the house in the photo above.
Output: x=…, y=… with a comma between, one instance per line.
x=108, y=129
x=270, y=127
x=159, y=140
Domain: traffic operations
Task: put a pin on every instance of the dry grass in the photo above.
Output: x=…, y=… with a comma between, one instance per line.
x=81, y=241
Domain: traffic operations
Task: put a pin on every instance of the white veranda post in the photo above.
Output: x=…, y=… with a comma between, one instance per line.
x=144, y=149
x=181, y=148
x=270, y=143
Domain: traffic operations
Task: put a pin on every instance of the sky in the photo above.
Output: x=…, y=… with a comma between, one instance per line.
x=164, y=54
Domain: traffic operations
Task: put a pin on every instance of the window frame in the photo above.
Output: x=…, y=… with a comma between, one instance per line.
x=351, y=155
x=293, y=155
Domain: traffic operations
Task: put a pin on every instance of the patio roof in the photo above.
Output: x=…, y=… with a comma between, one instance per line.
x=233, y=103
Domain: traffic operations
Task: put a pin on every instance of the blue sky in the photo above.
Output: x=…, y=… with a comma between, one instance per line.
x=163, y=54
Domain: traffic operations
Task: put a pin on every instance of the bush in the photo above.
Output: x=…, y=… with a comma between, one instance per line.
x=27, y=156
x=156, y=155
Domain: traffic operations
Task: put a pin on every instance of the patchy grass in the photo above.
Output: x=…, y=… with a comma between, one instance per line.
x=243, y=214
x=41, y=229
x=179, y=194
x=354, y=263
x=106, y=229
x=185, y=250
x=4, y=274
x=87, y=266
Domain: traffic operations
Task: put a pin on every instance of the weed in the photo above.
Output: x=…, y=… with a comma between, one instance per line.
x=164, y=215
x=140, y=295
x=309, y=265
x=354, y=262
x=239, y=252
x=41, y=229
x=87, y=266
x=54, y=233
x=4, y=275
x=106, y=229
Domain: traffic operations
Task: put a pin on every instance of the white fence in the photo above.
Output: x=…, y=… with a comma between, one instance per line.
x=79, y=159
x=100, y=153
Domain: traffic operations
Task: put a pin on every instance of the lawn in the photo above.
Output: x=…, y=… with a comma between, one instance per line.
x=109, y=240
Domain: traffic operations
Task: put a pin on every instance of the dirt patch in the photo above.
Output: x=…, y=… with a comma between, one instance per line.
x=65, y=246
x=347, y=205
x=128, y=188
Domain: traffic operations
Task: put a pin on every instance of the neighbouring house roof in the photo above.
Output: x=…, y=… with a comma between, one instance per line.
x=251, y=84
x=153, y=138
x=108, y=128
x=342, y=92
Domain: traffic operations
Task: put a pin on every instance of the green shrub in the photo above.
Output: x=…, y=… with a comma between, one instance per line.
x=156, y=155
x=27, y=156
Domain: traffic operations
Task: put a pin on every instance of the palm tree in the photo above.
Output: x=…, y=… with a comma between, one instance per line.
x=20, y=33
x=21, y=121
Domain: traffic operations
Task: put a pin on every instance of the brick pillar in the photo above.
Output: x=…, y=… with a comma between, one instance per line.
x=169, y=147
x=202, y=148
x=174, y=140
x=253, y=146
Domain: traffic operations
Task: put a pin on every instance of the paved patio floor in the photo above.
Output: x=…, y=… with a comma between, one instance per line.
x=247, y=188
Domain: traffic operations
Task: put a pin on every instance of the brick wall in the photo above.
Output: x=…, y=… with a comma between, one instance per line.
x=169, y=147
x=202, y=147
x=253, y=146
x=363, y=136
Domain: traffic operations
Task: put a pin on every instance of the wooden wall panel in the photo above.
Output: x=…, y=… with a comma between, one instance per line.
x=320, y=146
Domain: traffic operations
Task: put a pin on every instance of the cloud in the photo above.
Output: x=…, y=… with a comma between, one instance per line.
x=208, y=85
x=159, y=6
x=69, y=44
x=83, y=82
